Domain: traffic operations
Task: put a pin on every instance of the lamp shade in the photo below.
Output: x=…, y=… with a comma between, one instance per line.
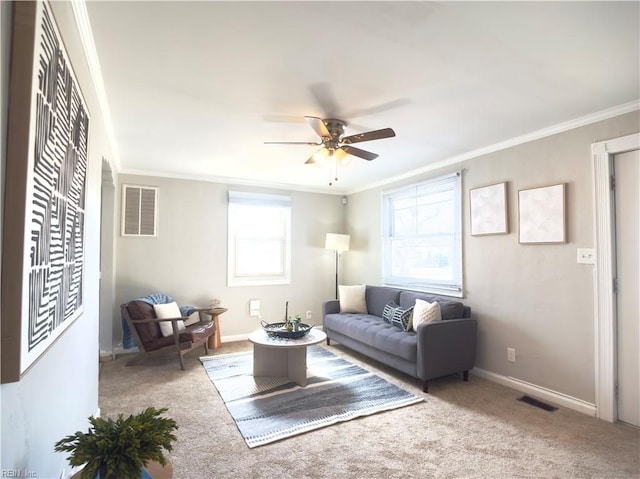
x=337, y=242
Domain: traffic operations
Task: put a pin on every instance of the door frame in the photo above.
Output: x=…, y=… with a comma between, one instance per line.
x=605, y=321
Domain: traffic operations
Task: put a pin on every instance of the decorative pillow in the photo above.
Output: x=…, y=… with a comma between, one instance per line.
x=352, y=299
x=387, y=312
x=398, y=316
x=167, y=311
x=425, y=312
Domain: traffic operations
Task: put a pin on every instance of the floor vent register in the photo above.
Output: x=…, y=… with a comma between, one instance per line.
x=537, y=403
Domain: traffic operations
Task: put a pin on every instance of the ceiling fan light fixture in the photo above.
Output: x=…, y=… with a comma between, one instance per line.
x=336, y=151
x=322, y=156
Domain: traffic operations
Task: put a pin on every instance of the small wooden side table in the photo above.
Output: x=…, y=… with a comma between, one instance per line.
x=214, y=341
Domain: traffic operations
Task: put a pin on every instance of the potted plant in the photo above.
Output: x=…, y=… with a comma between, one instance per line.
x=120, y=448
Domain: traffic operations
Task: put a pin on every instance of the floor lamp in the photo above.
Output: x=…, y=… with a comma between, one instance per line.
x=338, y=243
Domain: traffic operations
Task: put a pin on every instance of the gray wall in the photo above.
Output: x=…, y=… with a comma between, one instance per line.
x=188, y=258
x=56, y=396
x=534, y=298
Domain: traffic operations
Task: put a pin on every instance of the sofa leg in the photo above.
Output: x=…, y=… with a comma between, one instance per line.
x=328, y=341
x=465, y=375
x=425, y=386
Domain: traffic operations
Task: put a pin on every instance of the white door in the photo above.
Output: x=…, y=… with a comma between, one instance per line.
x=627, y=203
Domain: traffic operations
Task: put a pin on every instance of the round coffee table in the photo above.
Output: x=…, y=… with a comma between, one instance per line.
x=283, y=357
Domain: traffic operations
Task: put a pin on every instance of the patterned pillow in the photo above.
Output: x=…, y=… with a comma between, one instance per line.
x=425, y=312
x=387, y=312
x=398, y=316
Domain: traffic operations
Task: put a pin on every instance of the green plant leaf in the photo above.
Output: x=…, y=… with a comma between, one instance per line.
x=120, y=447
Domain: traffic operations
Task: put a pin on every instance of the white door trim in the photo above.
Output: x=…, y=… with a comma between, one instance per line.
x=604, y=299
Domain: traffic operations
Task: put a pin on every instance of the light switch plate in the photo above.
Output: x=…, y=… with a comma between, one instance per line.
x=254, y=307
x=586, y=255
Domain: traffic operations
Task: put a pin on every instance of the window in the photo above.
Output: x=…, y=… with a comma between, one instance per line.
x=139, y=210
x=259, y=239
x=422, y=245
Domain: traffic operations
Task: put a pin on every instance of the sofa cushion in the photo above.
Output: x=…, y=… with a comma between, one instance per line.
x=397, y=316
x=378, y=297
x=372, y=330
x=448, y=309
x=424, y=312
x=352, y=299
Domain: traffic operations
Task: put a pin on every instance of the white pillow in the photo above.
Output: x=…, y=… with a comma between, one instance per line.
x=425, y=312
x=352, y=299
x=167, y=311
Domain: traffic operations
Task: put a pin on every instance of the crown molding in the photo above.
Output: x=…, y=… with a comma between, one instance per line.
x=229, y=180
x=88, y=45
x=518, y=140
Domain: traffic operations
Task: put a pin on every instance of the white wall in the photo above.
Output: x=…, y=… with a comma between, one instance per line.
x=55, y=397
x=534, y=298
x=188, y=259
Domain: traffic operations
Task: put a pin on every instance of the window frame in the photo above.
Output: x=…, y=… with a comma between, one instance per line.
x=239, y=200
x=453, y=287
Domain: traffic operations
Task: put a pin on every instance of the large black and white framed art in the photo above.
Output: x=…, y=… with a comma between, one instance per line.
x=46, y=170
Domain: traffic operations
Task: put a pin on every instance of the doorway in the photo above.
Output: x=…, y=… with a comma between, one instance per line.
x=107, y=262
x=605, y=300
x=626, y=167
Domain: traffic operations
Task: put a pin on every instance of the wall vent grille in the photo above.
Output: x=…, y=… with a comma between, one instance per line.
x=139, y=210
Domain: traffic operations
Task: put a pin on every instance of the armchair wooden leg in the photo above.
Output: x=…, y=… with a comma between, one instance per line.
x=181, y=361
x=206, y=348
x=425, y=386
x=328, y=341
x=465, y=375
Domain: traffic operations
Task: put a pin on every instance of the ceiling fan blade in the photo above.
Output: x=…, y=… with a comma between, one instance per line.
x=310, y=143
x=376, y=108
x=368, y=136
x=323, y=94
x=318, y=126
x=365, y=155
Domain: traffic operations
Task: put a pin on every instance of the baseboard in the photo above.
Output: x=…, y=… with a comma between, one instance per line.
x=538, y=391
x=233, y=338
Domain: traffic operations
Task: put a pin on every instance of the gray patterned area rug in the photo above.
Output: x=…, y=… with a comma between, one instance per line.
x=268, y=409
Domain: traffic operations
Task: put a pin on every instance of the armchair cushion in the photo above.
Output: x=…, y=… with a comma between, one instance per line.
x=197, y=331
x=148, y=332
x=168, y=311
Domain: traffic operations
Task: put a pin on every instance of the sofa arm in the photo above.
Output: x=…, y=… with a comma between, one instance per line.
x=446, y=347
x=330, y=307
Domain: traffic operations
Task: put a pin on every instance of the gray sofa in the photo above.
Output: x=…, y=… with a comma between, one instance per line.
x=436, y=349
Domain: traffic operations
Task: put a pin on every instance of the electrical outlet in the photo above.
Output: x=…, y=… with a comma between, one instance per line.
x=309, y=315
x=511, y=355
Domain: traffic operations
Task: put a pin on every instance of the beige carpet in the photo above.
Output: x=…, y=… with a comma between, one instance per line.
x=462, y=430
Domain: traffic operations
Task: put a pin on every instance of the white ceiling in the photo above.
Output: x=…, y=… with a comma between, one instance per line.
x=196, y=88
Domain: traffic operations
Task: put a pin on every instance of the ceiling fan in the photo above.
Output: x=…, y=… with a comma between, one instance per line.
x=336, y=149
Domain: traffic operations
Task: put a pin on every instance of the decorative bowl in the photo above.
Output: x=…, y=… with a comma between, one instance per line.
x=279, y=330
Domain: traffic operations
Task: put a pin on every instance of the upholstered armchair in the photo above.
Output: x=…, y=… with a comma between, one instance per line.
x=161, y=328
